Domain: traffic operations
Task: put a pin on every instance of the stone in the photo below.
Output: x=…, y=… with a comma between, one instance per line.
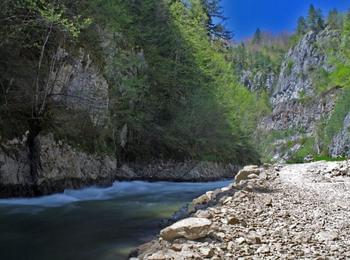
x=254, y=239
x=201, y=200
x=210, y=194
x=240, y=240
x=268, y=202
x=248, y=188
x=253, y=176
x=203, y=214
x=233, y=220
x=263, y=249
x=176, y=247
x=327, y=236
x=230, y=246
x=227, y=200
x=206, y=251
x=308, y=158
x=189, y=228
x=225, y=189
x=246, y=171
x=157, y=256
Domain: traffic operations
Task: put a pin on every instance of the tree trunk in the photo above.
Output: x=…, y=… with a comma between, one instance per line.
x=34, y=149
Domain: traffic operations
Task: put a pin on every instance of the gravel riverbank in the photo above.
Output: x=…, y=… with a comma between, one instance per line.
x=297, y=211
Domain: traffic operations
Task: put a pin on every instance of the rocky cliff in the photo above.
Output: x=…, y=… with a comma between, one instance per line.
x=80, y=85
x=63, y=166
x=296, y=80
x=300, y=108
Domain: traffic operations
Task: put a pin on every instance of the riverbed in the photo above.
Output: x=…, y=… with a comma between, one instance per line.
x=92, y=223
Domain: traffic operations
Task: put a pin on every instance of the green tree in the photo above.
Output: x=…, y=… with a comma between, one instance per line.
x=341, y=75
x=334, y=19
x=172, y=93
x=314, y=19
x=216, y=18
x=33, y=34
x=302, y=26
x=257, y=37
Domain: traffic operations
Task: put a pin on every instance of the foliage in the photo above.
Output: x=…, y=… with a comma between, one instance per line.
x=170, y=84
x=264, y=58
x=32, y=32
x=302, y=26
x=257, y=37
x=214, y=11
x=335, y=20
x=340, y=77
x=314, y=19
x=290, y=64
x=341, y=109
x=307, y=148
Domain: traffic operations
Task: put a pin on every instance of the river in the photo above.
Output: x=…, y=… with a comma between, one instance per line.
x=92, y=223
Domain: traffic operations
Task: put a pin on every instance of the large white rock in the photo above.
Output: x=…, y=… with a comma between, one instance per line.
x=246, y=171
x=189, y=228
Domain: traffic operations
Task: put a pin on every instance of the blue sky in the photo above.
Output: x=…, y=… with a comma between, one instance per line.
x=271, y=15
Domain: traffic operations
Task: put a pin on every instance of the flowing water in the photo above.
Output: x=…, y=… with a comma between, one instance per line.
x=93, y=223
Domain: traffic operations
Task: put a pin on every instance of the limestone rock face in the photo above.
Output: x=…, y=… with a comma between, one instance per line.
x=60, y=161
x=62, y=167
x=259, y=80
x=178, y=171
x=294, y=80
x=80, y=85
x=340, y=145
x=294, y=114
x=297, y=106
x=246, y=172
x=189, y=228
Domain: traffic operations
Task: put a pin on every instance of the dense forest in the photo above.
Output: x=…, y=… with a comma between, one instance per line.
x=172, y=92
x=174, y=77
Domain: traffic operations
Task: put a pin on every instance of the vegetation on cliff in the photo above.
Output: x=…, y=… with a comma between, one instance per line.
x=172, y=93
x=175, y=88
x=313, y=61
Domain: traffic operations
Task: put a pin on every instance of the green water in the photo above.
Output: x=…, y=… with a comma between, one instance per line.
x=93, y=223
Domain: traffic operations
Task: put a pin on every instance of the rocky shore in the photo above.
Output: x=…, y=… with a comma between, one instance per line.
x=297, y=211
x=65, y=167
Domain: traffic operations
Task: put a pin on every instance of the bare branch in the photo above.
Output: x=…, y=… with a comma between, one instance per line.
x=36, y=93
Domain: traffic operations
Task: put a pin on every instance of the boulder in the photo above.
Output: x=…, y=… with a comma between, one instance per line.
x=157, y=256
x=189, y=228
x=308, y=158
x=247, y=171
x=233, y=220
x=201, y=200
x=327, y=236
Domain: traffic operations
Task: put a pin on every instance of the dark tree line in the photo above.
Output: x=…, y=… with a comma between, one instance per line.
x=315, y=21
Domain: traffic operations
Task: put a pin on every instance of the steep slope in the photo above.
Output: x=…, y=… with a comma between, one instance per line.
x=303, y=99
x=116, y=83
x=299, y=108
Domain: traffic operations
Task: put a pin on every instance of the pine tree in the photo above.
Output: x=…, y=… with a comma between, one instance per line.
x=341, y=75
x=334, y=19
x=302, y=27
x=257, y=36
x=314, y=19
x=216, y=18
x=346, y=38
